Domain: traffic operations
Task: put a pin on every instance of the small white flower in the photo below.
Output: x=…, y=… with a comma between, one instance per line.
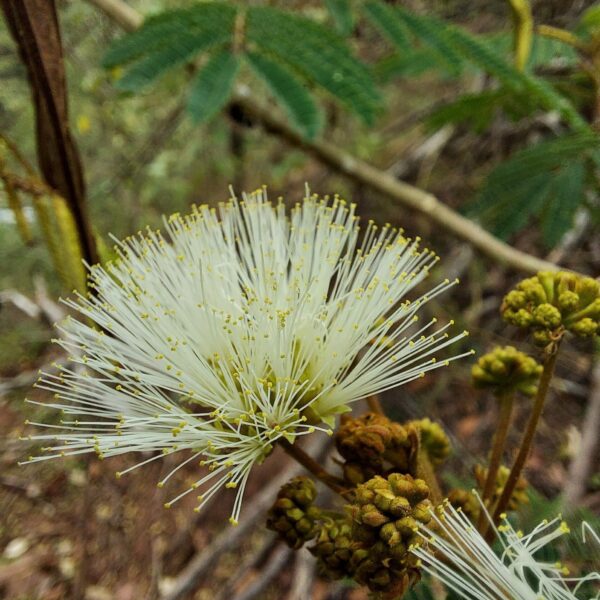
x=242, y=327
x=457, y=554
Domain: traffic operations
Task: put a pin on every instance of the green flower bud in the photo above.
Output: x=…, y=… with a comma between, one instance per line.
x=585, y=327
x=467, y=502
x=433, y=440
x=334, y=548
x=546, y=316
x=552, y=303
x=293, y=515
x=519, y=496
x=506, y=369
x=386, y=528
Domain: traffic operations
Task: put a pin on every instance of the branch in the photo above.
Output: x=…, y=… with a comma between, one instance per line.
x=362, y=172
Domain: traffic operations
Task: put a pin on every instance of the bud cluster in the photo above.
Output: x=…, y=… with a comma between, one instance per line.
x=506, y=369
x=519, y=495
x=551, y=303
x=433, y=440
x=373, y=444
x=293, y=515
x=468, y=503
x=384, y=516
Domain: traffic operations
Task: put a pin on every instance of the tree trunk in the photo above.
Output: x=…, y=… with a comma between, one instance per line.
x=34, y=27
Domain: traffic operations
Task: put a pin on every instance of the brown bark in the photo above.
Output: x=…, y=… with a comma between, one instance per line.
x=34, y=27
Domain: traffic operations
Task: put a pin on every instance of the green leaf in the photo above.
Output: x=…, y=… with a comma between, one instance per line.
x=160, y=31
x=477, y=110
x=454, y=46
x=547, y=179
x=212, y=87
x=565, y=196
x=382, y=16
x=289, y=91
x=341, y=13
x=157, y=63
x=315, y=53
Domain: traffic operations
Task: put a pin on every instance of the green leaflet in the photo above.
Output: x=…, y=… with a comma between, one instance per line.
x=317, y=54
x=382, y=16
x=548, y=179
x=160, y=31
x=290, y=92
x=180, y=51
x=564, y=197
x=212, y=87
x=477, y=110
x=453, y=47
x=341, y=13
x=293, y=52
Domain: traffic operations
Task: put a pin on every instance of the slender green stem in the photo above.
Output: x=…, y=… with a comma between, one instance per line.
x=310, y=464
x=504, y=418
x=528, y=436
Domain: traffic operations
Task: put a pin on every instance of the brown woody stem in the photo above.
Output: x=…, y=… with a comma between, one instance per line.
x=528, y=436
x=310, y=464
x=374, y=405
x=504, y=418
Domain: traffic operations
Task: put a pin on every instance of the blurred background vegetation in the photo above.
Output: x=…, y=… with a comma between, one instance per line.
x=472, y=102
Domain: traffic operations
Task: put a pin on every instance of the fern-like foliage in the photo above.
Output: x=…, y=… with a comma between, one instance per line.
x=342, y=15
x=454, y=47
x=477, y=110
x=289, y=91
x=316, y=54
x=212, y=86
x=549, y=179
x=293, y=55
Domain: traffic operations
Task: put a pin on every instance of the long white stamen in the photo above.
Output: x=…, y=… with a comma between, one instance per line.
x=240, y=326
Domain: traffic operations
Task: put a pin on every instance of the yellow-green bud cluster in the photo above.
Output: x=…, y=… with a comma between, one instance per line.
x=465, y=501
x=506, y=369
x=293, y=515
x=373, y=444
x=385, y=515
x=335, y=547
x=433, y=440
x=519, y=495
x=550, y=303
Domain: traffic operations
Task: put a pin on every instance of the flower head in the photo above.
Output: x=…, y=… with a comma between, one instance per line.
x=241, y=326
x=459, y=556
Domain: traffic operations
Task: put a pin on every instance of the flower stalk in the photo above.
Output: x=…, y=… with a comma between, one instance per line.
x=504, y=419
x=310, y=464
x=529, y=434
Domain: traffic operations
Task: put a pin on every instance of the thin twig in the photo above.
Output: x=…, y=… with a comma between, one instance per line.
x=360, y=171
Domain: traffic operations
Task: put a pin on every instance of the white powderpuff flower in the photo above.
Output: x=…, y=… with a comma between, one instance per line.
x=455, y=553
x=241, y=326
